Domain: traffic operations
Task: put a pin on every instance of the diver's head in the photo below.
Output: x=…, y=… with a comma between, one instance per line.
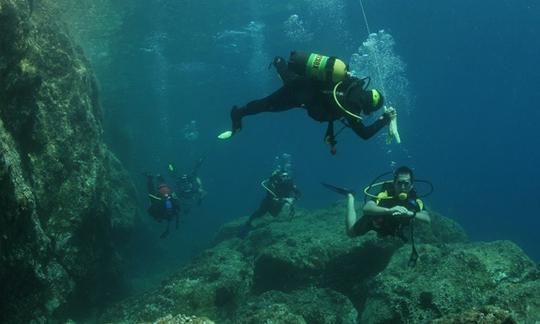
x=282, y=177
x=366, y=101
x=164, y=190
x=185, y=182
x=403, y=182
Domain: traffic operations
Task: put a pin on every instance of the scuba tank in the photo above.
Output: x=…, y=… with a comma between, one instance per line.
x=169, y=208
x=318, y=67
x=168, y=203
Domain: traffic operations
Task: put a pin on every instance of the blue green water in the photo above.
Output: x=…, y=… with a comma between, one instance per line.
x=469, y=125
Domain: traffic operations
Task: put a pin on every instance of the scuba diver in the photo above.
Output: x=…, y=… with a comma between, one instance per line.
x=326, y=89
x=396, y=206
x=189, y=187
x=280, y=192
x=164, y=204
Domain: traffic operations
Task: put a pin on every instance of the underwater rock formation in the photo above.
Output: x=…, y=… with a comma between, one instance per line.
x=182, y=319
x=453, y=278
x=214, y=285
x=67, y=205
x=483, y=315
x=311, y=305
x=306, y=270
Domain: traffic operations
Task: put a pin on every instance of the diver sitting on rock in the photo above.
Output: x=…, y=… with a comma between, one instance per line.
x=280, y=192
x=395, y=207
x=164, y=204
x=323, y=86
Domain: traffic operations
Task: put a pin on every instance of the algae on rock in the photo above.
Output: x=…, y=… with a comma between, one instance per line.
x=65, y=199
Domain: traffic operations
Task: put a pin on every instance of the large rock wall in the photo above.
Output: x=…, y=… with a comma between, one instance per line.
x=66, y=205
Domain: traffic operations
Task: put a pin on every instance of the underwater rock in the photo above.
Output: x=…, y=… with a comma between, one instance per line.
x=312, y=305
x=213, y=285
x=182, y=319
x=451, y=278
x=484, y=315
x=67, y=206
x=306, y=270
x=283, y=261
x=271, y=313
x=441, y=230
x=313, y=248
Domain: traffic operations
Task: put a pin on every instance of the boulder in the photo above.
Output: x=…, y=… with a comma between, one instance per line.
x=215, y=284
x=452, y=278
x=67, y=206
x=311, y=305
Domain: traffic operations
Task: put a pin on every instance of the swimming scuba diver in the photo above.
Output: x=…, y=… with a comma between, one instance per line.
x=189, y=187
x=280, y=192
x=323, y=86
x=396, y=206
x=164, y=204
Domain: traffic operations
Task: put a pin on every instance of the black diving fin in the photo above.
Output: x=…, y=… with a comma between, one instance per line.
x=339, y=190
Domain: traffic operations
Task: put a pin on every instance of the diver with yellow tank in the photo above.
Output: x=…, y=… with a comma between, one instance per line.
x=324, y=87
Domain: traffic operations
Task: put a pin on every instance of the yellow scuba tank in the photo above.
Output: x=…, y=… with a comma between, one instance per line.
x=318, y=67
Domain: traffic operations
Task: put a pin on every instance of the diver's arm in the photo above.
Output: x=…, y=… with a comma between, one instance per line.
x=371, y=208
x=350, y=220
x=366, y=132
x=423, y=216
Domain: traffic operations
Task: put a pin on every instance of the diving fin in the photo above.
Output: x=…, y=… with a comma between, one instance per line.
x=339, y=190
x=225, y=135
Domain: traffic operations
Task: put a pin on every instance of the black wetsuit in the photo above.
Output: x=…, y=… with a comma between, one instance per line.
x=386, y=225
x=314, y=96
x=273, y=204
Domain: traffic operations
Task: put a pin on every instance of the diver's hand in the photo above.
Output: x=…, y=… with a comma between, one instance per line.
x=389, y=113
x=399, y=211
x=289, y=201
x=278, y=60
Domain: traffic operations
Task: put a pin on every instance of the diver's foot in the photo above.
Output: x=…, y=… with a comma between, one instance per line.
x=236, y=118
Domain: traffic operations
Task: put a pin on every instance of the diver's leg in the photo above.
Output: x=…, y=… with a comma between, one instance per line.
x=264, y=207
x=283, y=99
x=275, y=207
x=362, y=225
x=164, y=234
